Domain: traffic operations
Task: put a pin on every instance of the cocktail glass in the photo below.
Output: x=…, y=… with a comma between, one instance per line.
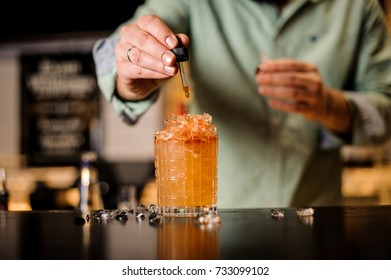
x=186, y=166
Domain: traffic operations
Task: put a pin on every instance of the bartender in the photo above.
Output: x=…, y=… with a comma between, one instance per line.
x=286, y=82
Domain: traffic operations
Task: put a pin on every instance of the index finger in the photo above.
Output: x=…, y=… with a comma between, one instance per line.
x=156, y=27
x=152, y=36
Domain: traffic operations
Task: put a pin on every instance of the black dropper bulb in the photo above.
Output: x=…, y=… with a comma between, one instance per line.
x=181, y=53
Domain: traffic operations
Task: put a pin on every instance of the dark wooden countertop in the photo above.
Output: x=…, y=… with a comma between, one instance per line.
x=332, y=233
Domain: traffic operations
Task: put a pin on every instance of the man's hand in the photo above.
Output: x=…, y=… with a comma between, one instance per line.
x=296, y=87
x=144, y=57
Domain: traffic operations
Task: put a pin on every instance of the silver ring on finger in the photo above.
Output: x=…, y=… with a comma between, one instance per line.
x=128, y=54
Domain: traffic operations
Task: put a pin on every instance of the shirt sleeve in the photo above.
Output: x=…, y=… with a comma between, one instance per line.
x=370, y=101
x=104, y=59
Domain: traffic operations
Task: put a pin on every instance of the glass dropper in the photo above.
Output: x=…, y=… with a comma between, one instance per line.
x=182, y=55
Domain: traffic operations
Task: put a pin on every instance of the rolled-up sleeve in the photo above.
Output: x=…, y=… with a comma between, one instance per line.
x=370, y=96
x=371, y=99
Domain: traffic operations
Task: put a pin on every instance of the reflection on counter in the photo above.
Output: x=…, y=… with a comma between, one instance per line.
x=183, y=239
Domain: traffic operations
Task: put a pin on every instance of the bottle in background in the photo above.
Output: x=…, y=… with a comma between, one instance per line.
x=90, y=195
x=3, y=190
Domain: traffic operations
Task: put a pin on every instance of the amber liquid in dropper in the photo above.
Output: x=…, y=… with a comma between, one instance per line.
x=186, y=91
x=185, y=85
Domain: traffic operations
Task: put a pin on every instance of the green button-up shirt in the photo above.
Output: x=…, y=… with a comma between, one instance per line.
x=268, y=158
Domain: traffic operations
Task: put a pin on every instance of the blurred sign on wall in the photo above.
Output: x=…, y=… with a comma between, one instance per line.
x=59, y=108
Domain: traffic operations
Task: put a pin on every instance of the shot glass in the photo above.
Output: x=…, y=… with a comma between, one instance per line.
x=186, y=166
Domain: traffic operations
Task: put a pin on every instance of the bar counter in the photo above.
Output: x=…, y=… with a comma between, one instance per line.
x=332, y=233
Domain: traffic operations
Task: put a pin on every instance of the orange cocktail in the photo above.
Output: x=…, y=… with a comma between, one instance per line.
x=186, y=165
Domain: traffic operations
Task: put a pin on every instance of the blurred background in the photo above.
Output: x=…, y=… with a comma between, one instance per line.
x=52, y=114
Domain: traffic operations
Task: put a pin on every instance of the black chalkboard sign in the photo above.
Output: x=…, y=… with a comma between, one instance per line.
x=59, y=108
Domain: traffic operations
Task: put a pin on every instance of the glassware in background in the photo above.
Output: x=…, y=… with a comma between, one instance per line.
x=3, y=190
x=127, y=197
x=90, y=195
x=186, y=166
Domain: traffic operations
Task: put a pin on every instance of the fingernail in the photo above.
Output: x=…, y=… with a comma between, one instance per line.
x=168, y=58
x=169, y=69
x=171, y=42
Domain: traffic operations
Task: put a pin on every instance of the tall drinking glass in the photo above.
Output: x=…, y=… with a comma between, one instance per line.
x=186, y=166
